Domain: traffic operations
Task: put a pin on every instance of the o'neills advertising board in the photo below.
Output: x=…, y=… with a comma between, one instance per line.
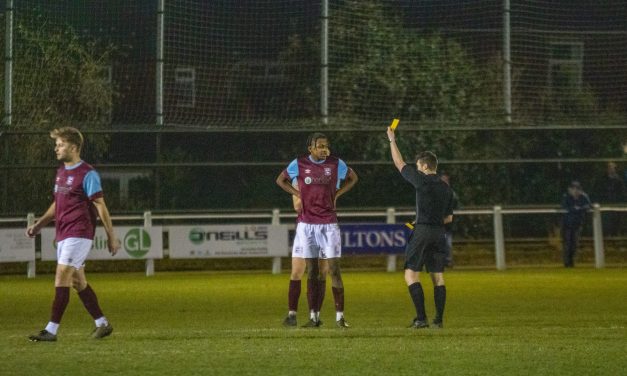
x=226, y=241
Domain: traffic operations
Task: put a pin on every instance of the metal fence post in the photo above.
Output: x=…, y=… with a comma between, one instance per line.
x=324, y=61
x=30, y=268
x=150, y=263
x=597, y=230
x=276, y=261
x=507, y=62
x=499, y=241
x=159, y=67
x=8, y=64
x=391, y=259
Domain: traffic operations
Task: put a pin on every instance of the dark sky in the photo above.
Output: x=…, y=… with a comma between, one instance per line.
x=259, y=19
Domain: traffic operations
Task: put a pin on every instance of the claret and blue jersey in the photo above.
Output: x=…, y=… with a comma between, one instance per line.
x=318, y=181
x=74, y=190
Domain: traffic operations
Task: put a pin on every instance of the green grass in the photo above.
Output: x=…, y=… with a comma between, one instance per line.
x=520, y=322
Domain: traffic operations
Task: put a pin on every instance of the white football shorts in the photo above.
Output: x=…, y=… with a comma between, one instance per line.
x=73, y=251
x=317, y=241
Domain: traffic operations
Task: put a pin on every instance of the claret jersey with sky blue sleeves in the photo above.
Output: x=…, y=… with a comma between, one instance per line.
x=74, y=190
x=318, y=181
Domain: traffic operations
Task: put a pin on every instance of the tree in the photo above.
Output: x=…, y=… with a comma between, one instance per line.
x=58, y=80
x=379, y=70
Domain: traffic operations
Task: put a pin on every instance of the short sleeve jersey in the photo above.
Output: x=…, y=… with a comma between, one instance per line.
x=434, y=198
x=318, y=181
x=75, y=189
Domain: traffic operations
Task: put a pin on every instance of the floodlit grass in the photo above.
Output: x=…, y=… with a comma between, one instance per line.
x=519, y=322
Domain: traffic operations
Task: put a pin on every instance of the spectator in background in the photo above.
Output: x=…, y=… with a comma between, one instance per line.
x=576, y=203
x=610, y=189
x=448, y=227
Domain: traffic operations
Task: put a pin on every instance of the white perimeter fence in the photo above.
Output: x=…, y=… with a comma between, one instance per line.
x=262, y=240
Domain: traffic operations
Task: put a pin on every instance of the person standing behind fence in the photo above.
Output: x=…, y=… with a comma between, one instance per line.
x=319, y=177
x=78, y=200
x=434, y=208
x=576, y=203
x=448, y=227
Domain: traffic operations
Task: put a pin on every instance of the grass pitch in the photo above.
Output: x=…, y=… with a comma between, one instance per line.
x=519, y=322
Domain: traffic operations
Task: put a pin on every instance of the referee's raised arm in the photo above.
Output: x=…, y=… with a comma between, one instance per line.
x=399, y=162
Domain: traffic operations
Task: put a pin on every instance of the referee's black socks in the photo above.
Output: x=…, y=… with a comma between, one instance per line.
x=439, y=295
x=418, y=297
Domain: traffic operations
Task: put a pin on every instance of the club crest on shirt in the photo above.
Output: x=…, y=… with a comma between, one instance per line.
x=70, y=180
x=327, y=171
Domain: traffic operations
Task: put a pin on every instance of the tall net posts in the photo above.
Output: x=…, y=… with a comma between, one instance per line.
x=449, y=61
x=260, y=63
x=437, y=65
x=266, y=62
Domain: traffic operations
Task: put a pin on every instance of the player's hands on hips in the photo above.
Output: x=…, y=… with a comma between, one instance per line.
x=391, y=135
x=114, y=245
x=32, y=231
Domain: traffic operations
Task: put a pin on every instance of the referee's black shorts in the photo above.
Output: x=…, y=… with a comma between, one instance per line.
x=425, y=248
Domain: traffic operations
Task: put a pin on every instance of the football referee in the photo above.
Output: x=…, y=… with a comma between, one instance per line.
x=425, y=248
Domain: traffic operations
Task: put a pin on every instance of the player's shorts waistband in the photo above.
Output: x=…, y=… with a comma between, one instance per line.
x=311, y=223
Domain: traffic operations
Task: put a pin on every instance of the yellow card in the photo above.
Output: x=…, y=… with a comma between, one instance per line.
x=394, y=124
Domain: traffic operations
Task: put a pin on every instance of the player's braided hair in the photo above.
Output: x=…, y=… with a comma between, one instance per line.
x=314, y=137
x=68, y=134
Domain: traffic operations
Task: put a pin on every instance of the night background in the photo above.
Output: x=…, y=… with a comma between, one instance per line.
x=241, y=91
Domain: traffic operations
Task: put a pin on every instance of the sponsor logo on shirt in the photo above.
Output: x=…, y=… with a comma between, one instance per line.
x=62, y=189
x=322, y=180
x=307, y=171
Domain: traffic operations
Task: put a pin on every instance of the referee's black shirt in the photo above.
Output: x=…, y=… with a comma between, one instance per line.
x=434, y=198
